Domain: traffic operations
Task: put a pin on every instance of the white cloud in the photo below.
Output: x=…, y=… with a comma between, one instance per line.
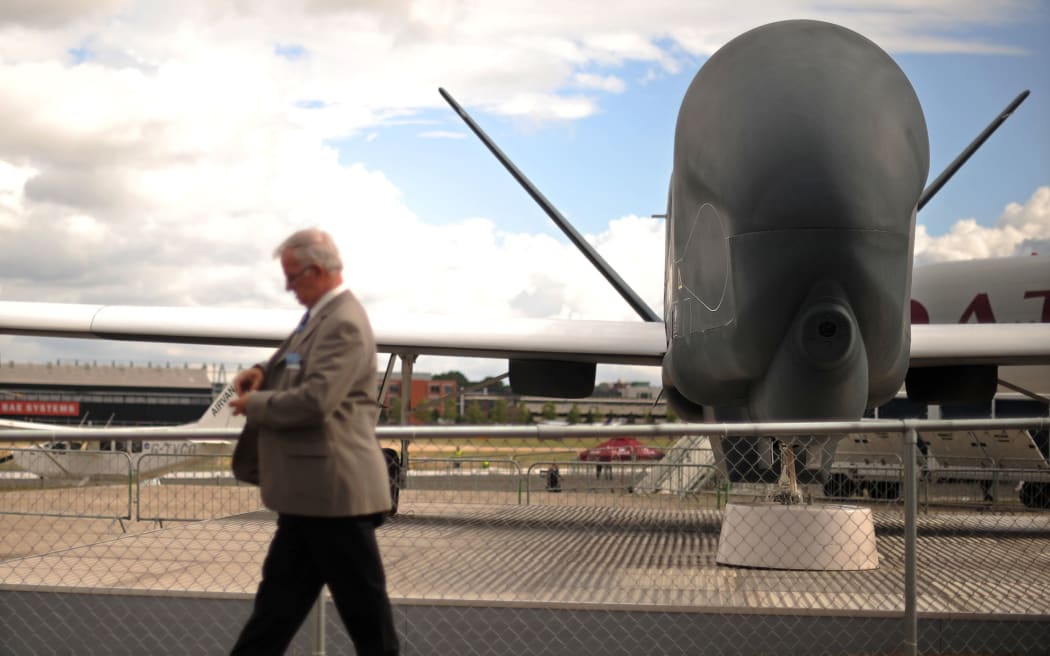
x=609, y=83
x=153, y=153
x=12, y=186
x=1032, y=217
x=1020, y=230
x=545, y=107
x=53, y=13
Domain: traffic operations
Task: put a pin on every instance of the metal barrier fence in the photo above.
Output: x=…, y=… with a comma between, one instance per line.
x=625, y=478
x=50, y=482
x=491, y=554
x=206, y=490
x=462, y=480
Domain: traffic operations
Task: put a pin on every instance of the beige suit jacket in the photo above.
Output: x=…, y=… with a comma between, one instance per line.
x=314, y=419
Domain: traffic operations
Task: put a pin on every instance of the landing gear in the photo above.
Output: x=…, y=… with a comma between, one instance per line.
x=792, y=495
x=832, y=536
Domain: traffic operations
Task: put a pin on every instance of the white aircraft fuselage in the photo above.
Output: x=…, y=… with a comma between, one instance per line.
x=999, y=290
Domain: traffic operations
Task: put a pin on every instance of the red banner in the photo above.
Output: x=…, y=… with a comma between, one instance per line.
x=40, y=408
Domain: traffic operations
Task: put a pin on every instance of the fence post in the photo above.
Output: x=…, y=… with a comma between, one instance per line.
x=911, y=624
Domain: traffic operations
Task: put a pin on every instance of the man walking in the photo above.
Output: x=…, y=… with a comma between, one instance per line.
x=309, y=443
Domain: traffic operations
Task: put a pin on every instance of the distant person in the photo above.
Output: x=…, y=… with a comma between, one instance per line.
x=600, y=468
x=309, y=443
x=553, y=478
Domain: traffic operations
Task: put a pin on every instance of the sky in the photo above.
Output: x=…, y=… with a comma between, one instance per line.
x=154, y=153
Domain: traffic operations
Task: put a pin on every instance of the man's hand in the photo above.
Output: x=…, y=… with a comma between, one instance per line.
x=239, y=405
x=244, y=384
x=248, y=380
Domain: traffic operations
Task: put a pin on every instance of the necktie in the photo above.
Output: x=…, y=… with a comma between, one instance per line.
x=302, y=323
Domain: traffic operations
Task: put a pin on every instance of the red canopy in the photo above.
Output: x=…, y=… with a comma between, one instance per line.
x=620, y=448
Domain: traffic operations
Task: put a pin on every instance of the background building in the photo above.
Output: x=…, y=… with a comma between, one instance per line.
x=94, y=394
x=91, y=394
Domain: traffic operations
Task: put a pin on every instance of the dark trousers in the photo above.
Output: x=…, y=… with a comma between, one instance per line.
x=306, y=553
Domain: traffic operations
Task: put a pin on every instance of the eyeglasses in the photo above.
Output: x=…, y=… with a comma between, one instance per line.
x=289, y=280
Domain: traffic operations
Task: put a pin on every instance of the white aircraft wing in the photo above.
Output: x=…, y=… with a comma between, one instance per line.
x=83, y=432
x=617, y=342
x=986, y=343
x=621, y=342
x=14, y=424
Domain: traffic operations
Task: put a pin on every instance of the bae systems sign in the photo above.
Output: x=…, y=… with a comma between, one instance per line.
x=40, y=408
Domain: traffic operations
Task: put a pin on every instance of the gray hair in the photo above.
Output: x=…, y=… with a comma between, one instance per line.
x=312, y=247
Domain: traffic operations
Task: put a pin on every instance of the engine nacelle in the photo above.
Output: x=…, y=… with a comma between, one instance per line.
x=952, y=384
x=553, y=378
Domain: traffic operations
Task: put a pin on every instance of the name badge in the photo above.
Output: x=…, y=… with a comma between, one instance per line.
x=294, y=360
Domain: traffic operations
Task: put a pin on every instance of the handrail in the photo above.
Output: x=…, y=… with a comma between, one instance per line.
x=409, y=433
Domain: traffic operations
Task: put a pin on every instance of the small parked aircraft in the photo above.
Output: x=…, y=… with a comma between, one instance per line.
x=145, y=451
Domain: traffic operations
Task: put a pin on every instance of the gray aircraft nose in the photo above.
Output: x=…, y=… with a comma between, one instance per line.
x=820, y=367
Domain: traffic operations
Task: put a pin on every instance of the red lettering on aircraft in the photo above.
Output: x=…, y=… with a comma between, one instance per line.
x=919, y=313
x=979, y=307
x=1045, y=294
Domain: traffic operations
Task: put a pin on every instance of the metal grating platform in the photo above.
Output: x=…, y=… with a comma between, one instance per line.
x=492, y=580
x=583, y=557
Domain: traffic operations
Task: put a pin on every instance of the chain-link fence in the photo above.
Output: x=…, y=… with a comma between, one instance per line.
x=507, y=544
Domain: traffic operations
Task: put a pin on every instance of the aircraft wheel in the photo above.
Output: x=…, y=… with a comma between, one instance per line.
x=839, y=485
x=1035, y=495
